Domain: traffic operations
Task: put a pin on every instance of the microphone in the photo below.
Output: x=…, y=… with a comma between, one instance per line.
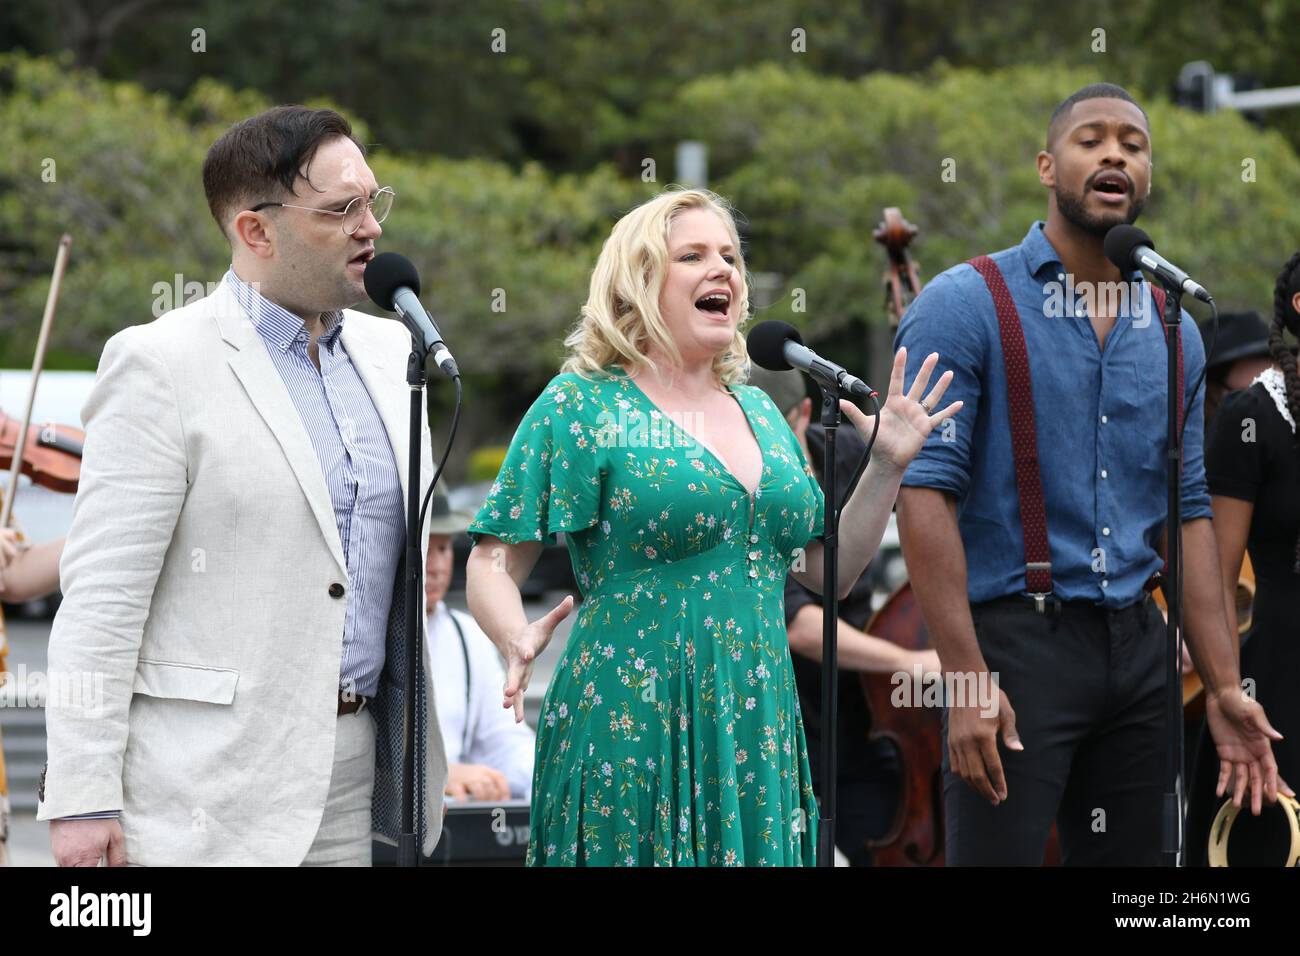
x=393, y=284
x=777, y=346
x=1129, y=247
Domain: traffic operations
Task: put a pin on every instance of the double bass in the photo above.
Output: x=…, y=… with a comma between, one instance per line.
x=916, y=835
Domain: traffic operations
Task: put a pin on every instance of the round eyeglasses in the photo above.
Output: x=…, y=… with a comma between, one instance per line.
x=353, y=214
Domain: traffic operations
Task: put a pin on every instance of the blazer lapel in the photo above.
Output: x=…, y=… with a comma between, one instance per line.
x=390, y=394
x=266, y=390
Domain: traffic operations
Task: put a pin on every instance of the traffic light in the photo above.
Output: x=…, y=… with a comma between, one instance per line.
x=1195, y=88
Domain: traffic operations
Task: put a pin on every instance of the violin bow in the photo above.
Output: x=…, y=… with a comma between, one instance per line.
x=51, y=303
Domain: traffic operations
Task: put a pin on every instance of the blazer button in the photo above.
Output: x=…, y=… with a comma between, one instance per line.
x=336, y=590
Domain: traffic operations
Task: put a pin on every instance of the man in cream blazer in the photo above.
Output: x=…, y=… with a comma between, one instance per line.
x=207, y=586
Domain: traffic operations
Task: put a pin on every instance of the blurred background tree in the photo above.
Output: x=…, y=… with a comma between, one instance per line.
x=511, y=165
x=567, y=82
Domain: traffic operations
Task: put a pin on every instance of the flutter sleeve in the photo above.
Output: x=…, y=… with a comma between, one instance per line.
x=550, y=480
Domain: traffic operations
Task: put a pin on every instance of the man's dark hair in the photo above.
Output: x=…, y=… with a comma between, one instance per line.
x=1094, y=91
x=260, y=158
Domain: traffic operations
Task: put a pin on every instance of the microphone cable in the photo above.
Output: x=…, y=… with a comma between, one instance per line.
x=451, y=438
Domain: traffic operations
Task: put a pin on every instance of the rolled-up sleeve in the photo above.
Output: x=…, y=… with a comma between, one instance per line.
x=944, y=319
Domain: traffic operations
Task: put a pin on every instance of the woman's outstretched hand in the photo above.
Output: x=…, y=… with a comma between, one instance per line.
x=906, y=419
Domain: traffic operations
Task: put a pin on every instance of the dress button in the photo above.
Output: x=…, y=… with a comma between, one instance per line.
x=753, y=572
x=336, y=590
x=753, y=555
x=753, y=539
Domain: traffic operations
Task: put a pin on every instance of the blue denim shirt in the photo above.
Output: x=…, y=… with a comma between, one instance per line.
x=1100, y=416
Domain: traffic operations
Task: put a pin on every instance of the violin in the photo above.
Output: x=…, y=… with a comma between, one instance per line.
x=51, y=454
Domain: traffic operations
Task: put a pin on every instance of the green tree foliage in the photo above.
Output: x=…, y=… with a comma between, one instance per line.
x=570, y=82
x=811, y=161
x=506, y=252
x=505, y=255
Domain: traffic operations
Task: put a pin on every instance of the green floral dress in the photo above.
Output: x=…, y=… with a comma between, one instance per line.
x=670, y=733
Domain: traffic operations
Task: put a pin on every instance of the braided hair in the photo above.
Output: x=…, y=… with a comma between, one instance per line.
x=1286, y=319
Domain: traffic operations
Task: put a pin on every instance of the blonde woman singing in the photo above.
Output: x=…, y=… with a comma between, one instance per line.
x=671, y=733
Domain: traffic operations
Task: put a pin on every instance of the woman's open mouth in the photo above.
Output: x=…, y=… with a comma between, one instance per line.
x=716, y=305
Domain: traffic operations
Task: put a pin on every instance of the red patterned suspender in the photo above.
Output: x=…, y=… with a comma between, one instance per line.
x=1024, y=438
x=1024, y=435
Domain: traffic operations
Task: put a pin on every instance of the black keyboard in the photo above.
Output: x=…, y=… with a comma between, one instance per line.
x=474, y=834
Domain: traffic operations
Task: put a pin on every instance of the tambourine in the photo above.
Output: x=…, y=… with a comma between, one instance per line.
x=1270, y=839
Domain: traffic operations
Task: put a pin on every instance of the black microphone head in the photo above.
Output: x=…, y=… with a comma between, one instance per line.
x=766, y=344
x=1120, y=242
x=385, y=274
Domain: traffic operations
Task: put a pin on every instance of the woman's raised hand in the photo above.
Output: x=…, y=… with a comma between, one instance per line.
x=906, y=419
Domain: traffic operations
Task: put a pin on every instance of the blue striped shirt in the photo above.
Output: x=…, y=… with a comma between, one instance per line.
x=360, y=471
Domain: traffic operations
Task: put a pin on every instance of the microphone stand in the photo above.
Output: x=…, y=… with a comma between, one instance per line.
x=1172, y=810
x=831, y=417
x=408, y=844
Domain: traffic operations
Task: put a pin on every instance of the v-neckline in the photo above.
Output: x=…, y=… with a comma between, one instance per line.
x=717, y=459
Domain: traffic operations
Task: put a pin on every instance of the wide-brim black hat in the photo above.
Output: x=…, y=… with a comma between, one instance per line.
x=1241, y=335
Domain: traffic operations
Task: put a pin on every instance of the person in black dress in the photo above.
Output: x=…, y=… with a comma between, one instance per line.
x=1253, y=469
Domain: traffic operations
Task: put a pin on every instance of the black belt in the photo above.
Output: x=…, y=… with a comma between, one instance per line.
x=351, y=704
x=1053, y=606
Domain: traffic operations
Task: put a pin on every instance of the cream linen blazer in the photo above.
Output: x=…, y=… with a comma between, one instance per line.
x=197, y=609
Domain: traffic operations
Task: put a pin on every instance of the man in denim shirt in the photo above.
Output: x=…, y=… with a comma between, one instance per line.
x=1083, y=667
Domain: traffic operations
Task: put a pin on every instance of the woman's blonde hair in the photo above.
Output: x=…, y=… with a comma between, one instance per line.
x=621, y=321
